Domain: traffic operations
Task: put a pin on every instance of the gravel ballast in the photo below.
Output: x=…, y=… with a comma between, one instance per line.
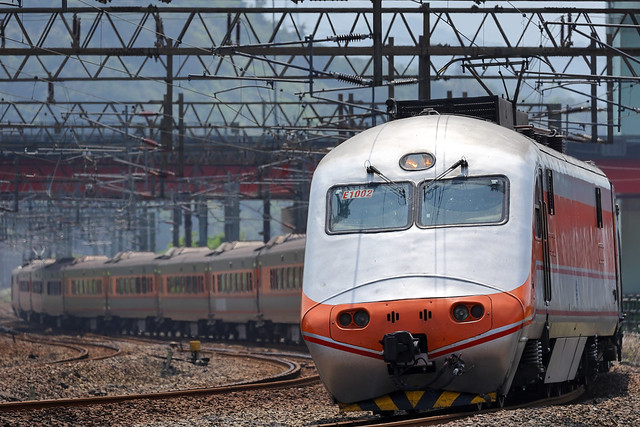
x=26, y=374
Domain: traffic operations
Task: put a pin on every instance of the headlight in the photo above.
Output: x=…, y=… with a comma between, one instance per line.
x=460, y=312
x=353, y=319
x=345, y=319
x=361, y=318
x=477, y=311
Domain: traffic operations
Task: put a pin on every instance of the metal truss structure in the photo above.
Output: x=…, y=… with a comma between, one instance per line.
x=247, y=99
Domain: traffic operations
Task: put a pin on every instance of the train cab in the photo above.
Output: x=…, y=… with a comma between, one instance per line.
x=421, y=264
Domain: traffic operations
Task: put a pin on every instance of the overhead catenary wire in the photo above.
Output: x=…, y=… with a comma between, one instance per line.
x=157, y=81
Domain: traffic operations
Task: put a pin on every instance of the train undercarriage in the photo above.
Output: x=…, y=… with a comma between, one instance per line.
x=536, y=376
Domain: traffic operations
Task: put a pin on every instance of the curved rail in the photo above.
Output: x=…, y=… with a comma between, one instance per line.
x=82, y=351
x=286, y=378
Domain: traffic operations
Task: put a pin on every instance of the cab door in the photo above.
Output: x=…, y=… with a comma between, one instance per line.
x=541, y=230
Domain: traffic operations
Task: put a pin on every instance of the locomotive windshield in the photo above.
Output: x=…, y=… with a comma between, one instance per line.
x=390, y=206
x=370, y=207
x=462, y=201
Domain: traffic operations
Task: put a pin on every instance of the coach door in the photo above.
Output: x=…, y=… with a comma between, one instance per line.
x=542, y=232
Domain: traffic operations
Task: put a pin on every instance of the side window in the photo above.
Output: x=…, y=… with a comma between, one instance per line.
x=551, y=206
x=599, y=208
x=538, y=207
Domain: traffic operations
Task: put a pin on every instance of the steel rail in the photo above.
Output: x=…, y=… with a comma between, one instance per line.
x=83, y=352
x=429, y=420
x=103, y=400
x=286, y=378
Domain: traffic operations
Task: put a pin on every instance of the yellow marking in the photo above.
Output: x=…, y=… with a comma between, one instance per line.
x=385, y=403
x=414, y=397
x=481, y=398
x=446, y=399
x=344, y=407
x=478, y=399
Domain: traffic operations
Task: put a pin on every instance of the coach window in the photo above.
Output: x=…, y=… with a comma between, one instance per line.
x=463, y=201
x=37, y=287
x=54, y=288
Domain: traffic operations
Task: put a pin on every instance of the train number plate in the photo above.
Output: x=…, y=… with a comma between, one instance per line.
x=357, y=194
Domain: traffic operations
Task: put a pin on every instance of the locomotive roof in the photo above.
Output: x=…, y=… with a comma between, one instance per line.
x=487, y=146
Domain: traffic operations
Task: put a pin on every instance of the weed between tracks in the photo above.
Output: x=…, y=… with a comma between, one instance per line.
x=631, y=348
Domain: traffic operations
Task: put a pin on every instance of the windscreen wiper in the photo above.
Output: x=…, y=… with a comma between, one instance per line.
x=394, y=186
x=462, y=162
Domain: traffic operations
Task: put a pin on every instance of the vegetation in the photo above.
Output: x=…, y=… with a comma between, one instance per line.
x=5, y=295
x=631, y=348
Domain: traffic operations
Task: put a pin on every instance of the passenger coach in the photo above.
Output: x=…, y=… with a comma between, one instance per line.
x=241, y=290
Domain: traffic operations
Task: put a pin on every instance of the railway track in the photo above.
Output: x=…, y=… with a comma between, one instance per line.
x=81, y=348
x=289, y=376
x=439, y=418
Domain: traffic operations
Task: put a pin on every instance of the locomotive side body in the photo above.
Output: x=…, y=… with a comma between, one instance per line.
x=575, y=267
x=438, y=259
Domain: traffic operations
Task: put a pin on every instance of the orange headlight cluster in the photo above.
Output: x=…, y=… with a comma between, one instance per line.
x=353, y=318
x=467, y=311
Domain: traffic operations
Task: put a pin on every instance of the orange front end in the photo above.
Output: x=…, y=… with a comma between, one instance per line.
x=460, y=343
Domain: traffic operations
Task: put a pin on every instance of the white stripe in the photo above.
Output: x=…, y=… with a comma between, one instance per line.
x=325, y=339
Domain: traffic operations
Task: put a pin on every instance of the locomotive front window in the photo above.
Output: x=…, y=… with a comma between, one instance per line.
x=369, y=207
x=463, y=201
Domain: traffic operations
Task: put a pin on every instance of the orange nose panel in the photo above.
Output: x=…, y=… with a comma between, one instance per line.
x=432, y=317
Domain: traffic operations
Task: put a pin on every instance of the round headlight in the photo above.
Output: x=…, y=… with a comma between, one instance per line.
x=417, y=161
x=361, y=318
x=477, y=311
x=345, y=319
x=460, y=312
